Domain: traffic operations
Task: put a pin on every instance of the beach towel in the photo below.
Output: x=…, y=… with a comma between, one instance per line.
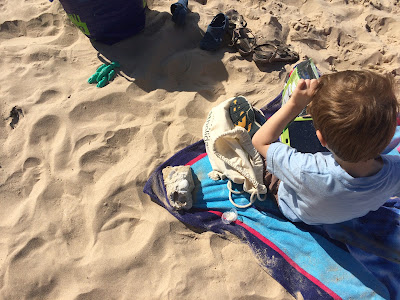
x=357, y=259
x=232, y=154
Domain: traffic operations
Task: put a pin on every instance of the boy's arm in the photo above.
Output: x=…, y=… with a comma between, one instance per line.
x=273, y=127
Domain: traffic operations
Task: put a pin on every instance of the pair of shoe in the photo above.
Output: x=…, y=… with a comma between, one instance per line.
x=233, y=24
x=245, y=42
x=230, y=23
x=242, y=114
x=215, y=31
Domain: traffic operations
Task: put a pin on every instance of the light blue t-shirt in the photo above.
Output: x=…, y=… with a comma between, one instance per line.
x=316, y=190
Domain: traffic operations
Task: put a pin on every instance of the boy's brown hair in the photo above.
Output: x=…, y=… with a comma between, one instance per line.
x=356, y=113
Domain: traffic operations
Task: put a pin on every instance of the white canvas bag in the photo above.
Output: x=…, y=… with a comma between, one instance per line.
x=232, y=155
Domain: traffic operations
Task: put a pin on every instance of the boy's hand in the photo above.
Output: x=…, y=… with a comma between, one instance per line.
x=303, y=92
x=270, y=131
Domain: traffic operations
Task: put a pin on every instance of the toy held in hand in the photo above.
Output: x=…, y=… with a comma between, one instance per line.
x=104, y=74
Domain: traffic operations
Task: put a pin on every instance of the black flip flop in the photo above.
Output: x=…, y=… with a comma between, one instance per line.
x=243, y=40
x=241, y=37
x=270, y=52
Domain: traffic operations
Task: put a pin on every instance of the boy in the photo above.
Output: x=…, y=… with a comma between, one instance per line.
x=354, y=114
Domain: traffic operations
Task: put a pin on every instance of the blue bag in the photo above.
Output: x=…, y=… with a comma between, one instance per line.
x=107, y=21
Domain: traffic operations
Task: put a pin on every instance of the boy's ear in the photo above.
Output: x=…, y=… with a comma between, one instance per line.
x=321, y=138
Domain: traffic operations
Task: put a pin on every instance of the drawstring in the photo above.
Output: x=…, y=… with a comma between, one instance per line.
x=252, y=197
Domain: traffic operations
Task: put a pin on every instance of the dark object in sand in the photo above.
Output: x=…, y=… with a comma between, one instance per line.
x=179, y=11
x=241, y=37
x=215, y=32
x=14, y=115
x=270, y=52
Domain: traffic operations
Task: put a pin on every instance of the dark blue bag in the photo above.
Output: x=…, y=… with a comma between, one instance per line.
x=107, y=21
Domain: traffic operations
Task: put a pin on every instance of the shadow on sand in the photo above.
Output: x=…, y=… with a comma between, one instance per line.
x=166, y=56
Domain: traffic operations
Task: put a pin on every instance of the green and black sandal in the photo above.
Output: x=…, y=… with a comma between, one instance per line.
x=242, y=114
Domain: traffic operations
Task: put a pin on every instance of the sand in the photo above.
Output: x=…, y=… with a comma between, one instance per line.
x=74, y=222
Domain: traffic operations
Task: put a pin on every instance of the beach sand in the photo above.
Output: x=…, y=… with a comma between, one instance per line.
x=74, y=222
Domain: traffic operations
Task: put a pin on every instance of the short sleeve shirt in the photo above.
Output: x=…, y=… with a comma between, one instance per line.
x=316, y=190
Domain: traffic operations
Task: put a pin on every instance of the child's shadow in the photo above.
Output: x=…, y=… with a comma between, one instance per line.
x=166, y=56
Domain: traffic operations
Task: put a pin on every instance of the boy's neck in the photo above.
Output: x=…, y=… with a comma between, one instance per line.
x=362, y=168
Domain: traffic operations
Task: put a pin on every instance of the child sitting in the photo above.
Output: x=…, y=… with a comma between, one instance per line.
x=354, y=114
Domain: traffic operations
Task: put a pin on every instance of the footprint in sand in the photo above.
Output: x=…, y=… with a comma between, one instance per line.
x=309, y=35
x=113, y=103
x=121, y=137
x=75, y=231
x=50, y=95
x=30, y=246
x=381, y=25
x=97, y=161
x=31, y=174
x=46, y=24
x=31, y=162
x=117, y=209
x=39, y=283
x=86, y=140
x=44, y=130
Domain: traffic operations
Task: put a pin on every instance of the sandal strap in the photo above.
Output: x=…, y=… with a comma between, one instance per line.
x=275, y=51
x=236, y=35
x=278, y=52
x=235, y=19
